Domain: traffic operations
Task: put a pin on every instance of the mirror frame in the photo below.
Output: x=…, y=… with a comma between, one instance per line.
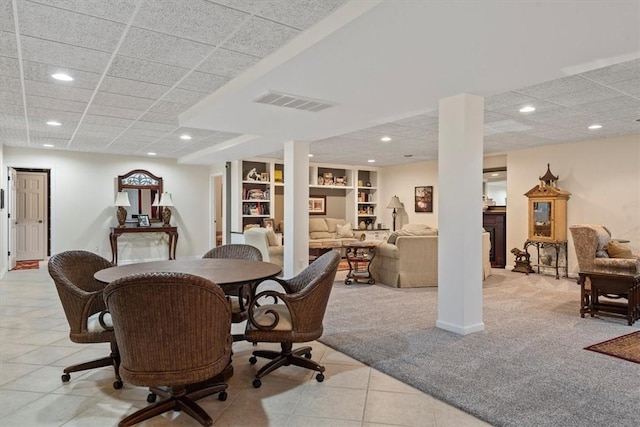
x=488, y=170
x=157, y=217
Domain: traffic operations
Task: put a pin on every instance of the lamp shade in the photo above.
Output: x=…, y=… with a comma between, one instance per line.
x=394, y=203
x=165, y=200
x=156, y=200
x=122, y=199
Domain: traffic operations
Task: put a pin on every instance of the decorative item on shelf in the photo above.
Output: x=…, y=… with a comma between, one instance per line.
x=122, y=200
x=320, y=180
x=394, y=204
x=362, y=225
x=360, y=183
x=328, y=178
x=367, y=184
x=341, y=180
x=485, y=205
x=253, y=175
x=165, y=202
x=277, y=175
x=264, y=177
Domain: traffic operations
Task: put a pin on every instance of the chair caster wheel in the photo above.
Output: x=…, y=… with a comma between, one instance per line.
x=66, y=378
x=117, y=384
x=320, y=378
x=151, y=397
x=253, y=360
x=257, y=383
x=222, y=396
x=307, y=355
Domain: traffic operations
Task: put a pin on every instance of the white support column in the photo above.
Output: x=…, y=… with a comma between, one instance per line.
x=296, y=208
x=460, y=214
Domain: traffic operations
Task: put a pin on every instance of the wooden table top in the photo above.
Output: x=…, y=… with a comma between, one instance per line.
x=220, y=271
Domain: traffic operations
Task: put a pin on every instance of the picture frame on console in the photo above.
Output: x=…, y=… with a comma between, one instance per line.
x=424, y=198
x=143, y=221
x=317, y=205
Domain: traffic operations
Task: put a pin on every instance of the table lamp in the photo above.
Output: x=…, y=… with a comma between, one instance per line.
x=165, y=202
x=122, y=200
x=394, y=204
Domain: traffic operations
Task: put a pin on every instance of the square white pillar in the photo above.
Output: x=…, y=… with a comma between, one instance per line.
x=296, y=207
x=460, y=148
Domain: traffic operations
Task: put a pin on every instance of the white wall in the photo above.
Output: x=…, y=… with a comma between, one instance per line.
x=602, y=175
x=83, y=190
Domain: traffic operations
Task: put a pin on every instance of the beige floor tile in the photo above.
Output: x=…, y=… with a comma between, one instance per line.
x=271, y=397
x=403, y=409
x=11, y=400
x=9, y=351
x=334, y=402
x=12, y=371
x=382, y=382
x=45, y=379
x=300, y=421
x=334, y=357
x=346, y=376
x=50, y=410
x=44, y=355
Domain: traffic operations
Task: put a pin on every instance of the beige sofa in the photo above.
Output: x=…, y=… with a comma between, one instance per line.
x=329, y=233
x=412, y=261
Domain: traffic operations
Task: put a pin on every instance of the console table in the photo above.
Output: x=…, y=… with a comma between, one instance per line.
x=118, y=231
x=557, y=246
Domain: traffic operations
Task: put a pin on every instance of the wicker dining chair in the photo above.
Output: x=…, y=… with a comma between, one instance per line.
x=173, y=331
x=298, y=318
x=241, y=294
x=83, y=305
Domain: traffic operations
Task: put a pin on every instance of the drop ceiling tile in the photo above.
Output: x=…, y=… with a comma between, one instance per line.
x=122, y=101
x=12, y=121
x=508, y=99
x=63, y=55
x=562, y=135
x=52, y=90
x=163, y=48
x=630, y=87
x=114, y=10
x=6, y=16
x=260, y=37
x=12, y=134
x=203, y=82
x=145, y=71
x=55, y=141
x=593, y=94
x=9, y=67
x=168, y=108
x=300, y=14
x=109, y=121
x=59, y=104
x=152, y=135
x=196, y=20
x=615, y=73
x=183, y=96
x=133, y=88
x=422, y=121
x=10, y=84
x=509, y=125
x=44, y=114
x=8, y=44
x=42, y=73
x=227, y=63
x=106, y=110
x=625, y=114
x=13, y=109
x=45, y=22
x=55, y=134
x=621, y=102
x=11, y=98
x=557, y=87
x=95, y=128
x=393, y=129
x=148, y=125
x=160, y=118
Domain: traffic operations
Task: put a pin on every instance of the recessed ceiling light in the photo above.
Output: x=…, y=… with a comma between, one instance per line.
x=371, y=161
x=495, y=174
x=310, y=155
x=385, y=139
x=151, y=154
x=62, y=77
x=54, y=123
x=47, y=145
x=528, y=109
x=594, y=127
x=408, y=155
x=185, y=137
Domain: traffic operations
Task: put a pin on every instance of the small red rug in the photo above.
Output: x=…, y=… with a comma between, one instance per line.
x=27, y=265
x=343, y=266
x=625, y=347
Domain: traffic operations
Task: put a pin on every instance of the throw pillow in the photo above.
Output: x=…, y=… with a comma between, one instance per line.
x=392, y=238
x=344, y=230
x=272, y=238
x=616, y=249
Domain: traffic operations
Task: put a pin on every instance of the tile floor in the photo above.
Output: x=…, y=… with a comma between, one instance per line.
x=34, y=348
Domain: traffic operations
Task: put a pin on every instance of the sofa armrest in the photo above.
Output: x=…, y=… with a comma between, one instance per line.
x=388, y=250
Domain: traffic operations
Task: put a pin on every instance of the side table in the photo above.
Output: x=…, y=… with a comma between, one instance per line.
x=613, y=286
x=116, y=232
x=359, y=257
x=557, y=246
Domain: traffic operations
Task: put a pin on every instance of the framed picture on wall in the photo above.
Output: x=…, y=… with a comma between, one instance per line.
x=424, y=199
x=317, y=205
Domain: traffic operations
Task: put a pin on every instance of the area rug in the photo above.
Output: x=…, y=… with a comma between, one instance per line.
x=343, y=266
x=27, y=265
x=625, y=347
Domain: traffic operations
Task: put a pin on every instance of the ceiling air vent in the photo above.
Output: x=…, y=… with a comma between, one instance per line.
x=292, y=101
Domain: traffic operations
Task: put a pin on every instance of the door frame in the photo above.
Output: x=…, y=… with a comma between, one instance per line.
x=216, y=192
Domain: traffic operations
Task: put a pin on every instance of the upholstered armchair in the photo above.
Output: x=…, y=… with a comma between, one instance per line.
x=266, y=241
x=591, y=242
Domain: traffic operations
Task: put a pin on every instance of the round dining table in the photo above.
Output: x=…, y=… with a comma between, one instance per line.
x=226, y=273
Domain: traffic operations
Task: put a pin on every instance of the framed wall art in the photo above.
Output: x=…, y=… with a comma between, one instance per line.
x=317, y=205
x=424, y=198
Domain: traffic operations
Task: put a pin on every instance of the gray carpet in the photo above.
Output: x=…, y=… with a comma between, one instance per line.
x=528, y=368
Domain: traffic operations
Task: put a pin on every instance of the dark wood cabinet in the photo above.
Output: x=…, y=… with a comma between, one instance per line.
x=495, y=222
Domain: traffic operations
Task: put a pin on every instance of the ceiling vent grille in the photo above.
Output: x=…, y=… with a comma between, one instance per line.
x=293, y=101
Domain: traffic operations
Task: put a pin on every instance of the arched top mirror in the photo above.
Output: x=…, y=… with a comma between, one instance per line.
x=142, y=187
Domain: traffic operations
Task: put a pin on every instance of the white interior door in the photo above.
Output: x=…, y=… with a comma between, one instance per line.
x=13, y=176
x=31, y=196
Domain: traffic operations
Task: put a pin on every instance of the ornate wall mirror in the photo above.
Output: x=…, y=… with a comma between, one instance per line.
x=494, y=186
x=142, y=187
